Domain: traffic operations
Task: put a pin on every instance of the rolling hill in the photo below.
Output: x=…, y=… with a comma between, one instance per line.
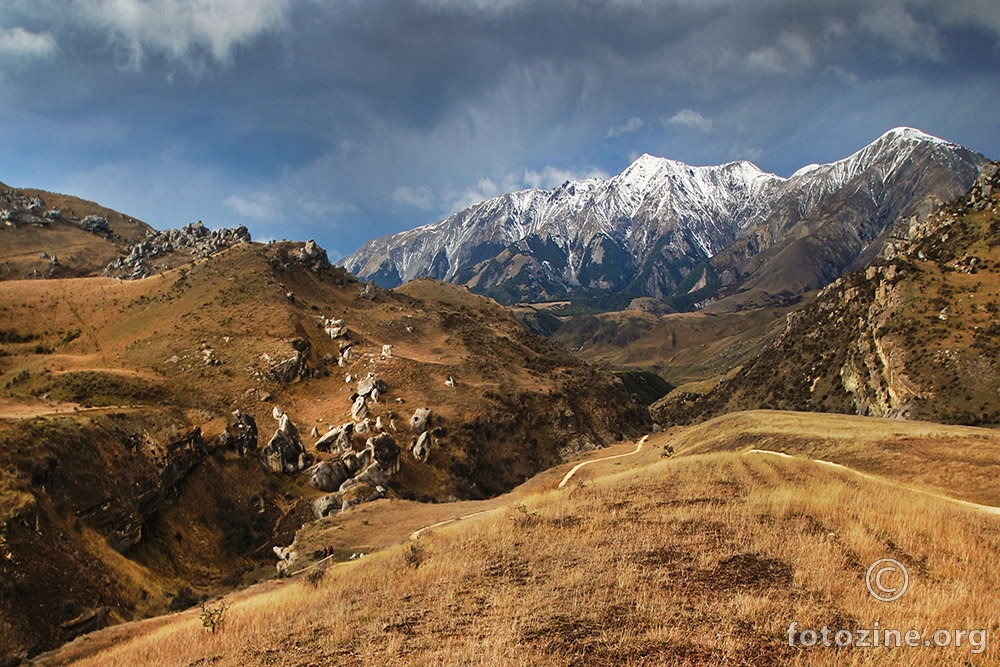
x=138, y=445
x=706, y=557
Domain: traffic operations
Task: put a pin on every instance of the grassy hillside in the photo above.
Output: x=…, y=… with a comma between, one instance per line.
x=912, y=335
x=682, y=348
x=112, y=394
x=79, y=252
x=706, y=557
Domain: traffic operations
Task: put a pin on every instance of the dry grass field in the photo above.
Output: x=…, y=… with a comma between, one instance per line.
x=103, y=380
x=703, y=558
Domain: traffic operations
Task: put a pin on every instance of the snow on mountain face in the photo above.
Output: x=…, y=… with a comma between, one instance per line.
x=646, y=230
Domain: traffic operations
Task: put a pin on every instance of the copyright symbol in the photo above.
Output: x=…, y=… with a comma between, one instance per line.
x=882, y=570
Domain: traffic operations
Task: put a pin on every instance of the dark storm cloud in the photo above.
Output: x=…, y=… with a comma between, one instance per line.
x=350, y=119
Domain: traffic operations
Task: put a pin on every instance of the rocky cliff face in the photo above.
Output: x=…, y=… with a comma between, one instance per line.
x=913, y=335
x=687, y=235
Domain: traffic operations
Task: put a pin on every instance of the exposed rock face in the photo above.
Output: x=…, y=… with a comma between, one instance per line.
x=419, y=420
x=285, y=452
x=194, y=239
x=313, y=256
x=422, y=447
x=240, y=436
x=357, y=476
x=361, y=493
x=373, y=476
x=293, y=368
x=96, y=224
x=359, y=410
x=337, y=440
x=328, y=504
x=385, y=451
x=357, y=461
x=18, y=208
x=328, y=475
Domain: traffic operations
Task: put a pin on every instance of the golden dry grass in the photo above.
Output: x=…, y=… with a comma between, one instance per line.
x=956, y=461
x=692, y=560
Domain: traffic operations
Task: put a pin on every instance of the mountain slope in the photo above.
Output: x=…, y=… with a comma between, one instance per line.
x=45, y=235
x=124, y=475
x=704, y=558
x=652, y=229
x=914, y=335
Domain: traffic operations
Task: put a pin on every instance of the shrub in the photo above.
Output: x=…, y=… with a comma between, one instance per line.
x=212, y=617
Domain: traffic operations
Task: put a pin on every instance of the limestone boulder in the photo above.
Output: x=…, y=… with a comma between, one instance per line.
x=327, y=476
x=285, y=452
x=418, y=422
x=422, y=447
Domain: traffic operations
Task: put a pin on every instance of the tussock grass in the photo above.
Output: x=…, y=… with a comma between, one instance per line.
x=953, y=460
x=703, y=559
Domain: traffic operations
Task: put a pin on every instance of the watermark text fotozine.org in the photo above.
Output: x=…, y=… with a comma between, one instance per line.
x=877, y=637
x=887, y=580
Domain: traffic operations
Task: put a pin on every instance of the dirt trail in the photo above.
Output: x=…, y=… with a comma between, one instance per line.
x=875, y=478
x=417, y=533
x=18, y=411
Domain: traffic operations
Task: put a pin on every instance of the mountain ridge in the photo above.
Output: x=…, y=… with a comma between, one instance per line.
x=662, y=228
x=912, y=335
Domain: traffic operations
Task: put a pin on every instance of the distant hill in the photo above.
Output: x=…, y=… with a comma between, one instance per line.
x=728, y=235
x=83, y=237
x=916, y=334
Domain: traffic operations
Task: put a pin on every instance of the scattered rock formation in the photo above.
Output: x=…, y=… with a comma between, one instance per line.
x=370, y=385
x=356, y=477
x=336, y=440
x=96, y=224
x=240, y=436
x=285, y=452
x=313, y=256
x=194, y=239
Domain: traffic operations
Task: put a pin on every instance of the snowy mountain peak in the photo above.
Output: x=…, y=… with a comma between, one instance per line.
x=911, y=134
x=674, y=231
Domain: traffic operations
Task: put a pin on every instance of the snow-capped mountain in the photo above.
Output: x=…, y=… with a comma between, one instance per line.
x=683, y=234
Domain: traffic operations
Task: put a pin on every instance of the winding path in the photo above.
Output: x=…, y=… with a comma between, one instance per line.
x=638, y=447
x=989, y=509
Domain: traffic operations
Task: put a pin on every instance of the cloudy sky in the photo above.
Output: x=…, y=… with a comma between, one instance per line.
x=344, y=120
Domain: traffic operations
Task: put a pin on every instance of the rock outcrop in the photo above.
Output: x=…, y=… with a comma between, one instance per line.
x=194, y=239
x=419, y=420
x=295, y=367
x=313, y=257
x=355, y=477
x=240, y=436
x=328, y=475
x=422, y=447
x=96, y=224
x=284, y=452
x=359, y=410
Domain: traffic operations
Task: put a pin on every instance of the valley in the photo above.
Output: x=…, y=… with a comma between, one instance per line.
x=703, y=557
x=416, y=467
